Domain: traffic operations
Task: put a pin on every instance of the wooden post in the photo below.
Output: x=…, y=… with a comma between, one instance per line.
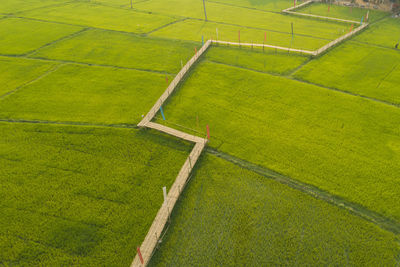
x=208, y=132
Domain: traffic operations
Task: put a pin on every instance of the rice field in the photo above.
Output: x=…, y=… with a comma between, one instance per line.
x=255, y=221
x=80, y=184
x=80, y=195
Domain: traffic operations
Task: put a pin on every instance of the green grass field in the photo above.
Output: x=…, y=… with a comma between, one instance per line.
x=194, y=30
x=342, y=12
x=122, y=50
x=247, y=18
x=80, y=195
x=340, y=143
x=14, y=33
x=269, y=61
x=250, y=220
x=74, y=93
x=93, y=15
x=80, y=186
x=385, y=33
x=16, y=72
x=357, y=72
x=12, y=6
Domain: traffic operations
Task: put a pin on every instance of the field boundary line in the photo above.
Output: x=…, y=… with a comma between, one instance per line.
x=361, y=211
x=66, y=37
x=66, y=123
x=48, y=72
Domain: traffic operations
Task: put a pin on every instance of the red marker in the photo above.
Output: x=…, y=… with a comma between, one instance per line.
x=166, y=79
x=208, y=132
x=195, y=50
x=265, y=37
x=351, y=28
x=329, y=7
x=140, y=255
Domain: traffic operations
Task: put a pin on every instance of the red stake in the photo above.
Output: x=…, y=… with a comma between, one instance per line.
x=329, y=7
x=166, y=79
x=351, y=28
x=265, y=37
x=140, y=255
x=294, y=4
x=195, y=50
x=208, y=132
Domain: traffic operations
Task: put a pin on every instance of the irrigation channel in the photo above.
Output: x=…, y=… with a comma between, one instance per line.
x=147, y=248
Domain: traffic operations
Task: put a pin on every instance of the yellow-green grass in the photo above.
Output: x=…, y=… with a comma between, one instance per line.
x=100, y=16
x=247, y=17
x=385, y=33
x=194, y=30
x=19, y=36
x=269, y=5
x=12, y=6
x=346, y=145
x=256, y=59
x=81, y=196
x=342, y=12
x=15, y=72
x=229, y=216
x=357, y=68
x=123, y=50
x=76, y=93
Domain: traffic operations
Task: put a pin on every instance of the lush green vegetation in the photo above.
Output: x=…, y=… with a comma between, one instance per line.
x=94, y=15
x=342, y=12
x=372, y=71
x=75, y=93
x=80, y=195
x=229, y=216
x=15, y=72
x=270, y=5
x=340, y=143
x=193, y=30
x=247, y=17
x=256, y=59
x=123, y=50
x=12, y=6
x=15, y=32
x=385, y=33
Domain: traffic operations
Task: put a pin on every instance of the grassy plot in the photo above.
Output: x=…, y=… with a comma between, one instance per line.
x=193, y=30
x=248, y=18
x=342, y=12
x=76, y=93
x=229, y=216
x=19, y=36
x=267, y=61
x=343, y=144
x=385, y=33
x=80, y=195
x=269, y=5
x=93, y=15
x=12, y=6
x=15, y=72
x=123, y=50
x=371, y=71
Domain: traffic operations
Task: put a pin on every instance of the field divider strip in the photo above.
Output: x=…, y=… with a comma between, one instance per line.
x=48, y=72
